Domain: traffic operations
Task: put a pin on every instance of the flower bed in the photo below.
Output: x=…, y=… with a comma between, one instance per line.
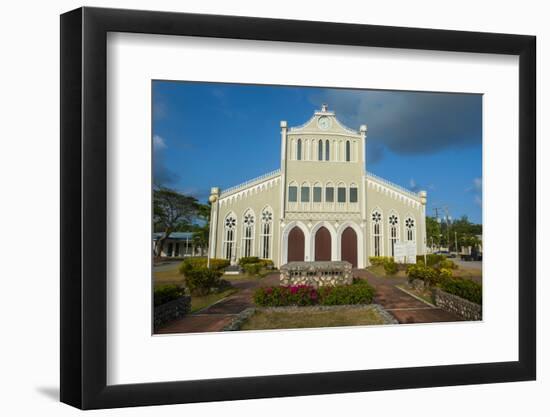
x=307, y=295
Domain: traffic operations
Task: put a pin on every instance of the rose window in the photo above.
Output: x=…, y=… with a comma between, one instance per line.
x=230, y=223
x=393, y=220
x=249, y=219
x=409, y=223
x=376, y=217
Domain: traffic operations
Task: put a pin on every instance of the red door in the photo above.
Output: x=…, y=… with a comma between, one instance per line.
x=296, y=245
x=322, y=245
x=349, y=246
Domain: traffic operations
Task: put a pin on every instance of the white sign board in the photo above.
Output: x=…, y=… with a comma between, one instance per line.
x=405, y=252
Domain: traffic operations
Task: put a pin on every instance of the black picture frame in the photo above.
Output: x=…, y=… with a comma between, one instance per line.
x=84, y=207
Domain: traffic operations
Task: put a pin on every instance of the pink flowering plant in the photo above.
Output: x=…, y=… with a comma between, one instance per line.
x=306, y=295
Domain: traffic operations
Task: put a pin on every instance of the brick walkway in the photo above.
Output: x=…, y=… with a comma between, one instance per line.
x=404, y=307
x=215, y=317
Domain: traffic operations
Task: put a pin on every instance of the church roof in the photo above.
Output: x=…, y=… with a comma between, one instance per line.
x=332, y=126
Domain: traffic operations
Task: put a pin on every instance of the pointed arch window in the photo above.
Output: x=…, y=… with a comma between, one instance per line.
x=229, y=235
x=377, y=232
x=348, y=151
x=394, y=234
x=248, y=234
x=299, y=150
x=266, y=233
x=327, y=150
x=320, y=149
x=410, y=228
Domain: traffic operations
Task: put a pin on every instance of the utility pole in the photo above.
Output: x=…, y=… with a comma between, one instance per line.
x=456, y=244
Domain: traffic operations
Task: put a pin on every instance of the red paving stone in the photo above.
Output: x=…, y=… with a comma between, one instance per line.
x=405, y=308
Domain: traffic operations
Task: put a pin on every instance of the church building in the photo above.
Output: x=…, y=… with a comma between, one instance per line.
x=321, y=205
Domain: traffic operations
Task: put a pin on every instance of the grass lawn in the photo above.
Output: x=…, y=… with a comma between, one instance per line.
x=378, y=270
x=170, y=276
x=264, y=320
x=200, y=302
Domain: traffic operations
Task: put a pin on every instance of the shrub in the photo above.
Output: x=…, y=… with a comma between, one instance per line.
x=445, y=273
x=267, y=263
x=252, y=268
x=360, y=293
x=166, y=293
x=305, y=295
x=447, y=264
x=379, y=260
x=432, y=259
x=463, y=288
x=200, y=281
x=300, y=295
x=390, y=267
x=194, y=263
x=429, y=275
x=248, y=260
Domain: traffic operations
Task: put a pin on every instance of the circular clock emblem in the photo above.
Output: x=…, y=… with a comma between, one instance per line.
x=324, y=123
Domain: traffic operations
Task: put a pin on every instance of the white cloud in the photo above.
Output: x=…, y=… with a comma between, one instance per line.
x=158, y=142
x=477, y=184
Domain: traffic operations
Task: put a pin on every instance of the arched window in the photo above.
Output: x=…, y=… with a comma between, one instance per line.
x=304, y=193
x=410, y=228
x=299, y=150
x=348, y=151
x=393, y=223
x=248, y=233
x=377, y=232
x=341, y=193
x=317, y=192
x=293, y=192
x=327, y=150
x=353, y=197
x=266, y=232
x=229, y=235
x=329, y=193
x=320, y=149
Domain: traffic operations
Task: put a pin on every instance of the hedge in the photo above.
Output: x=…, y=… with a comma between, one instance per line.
x=425, y=273
x=379, y=260
x=305, y=295
x=166, y=293
x=202, y=280
x=390, y=267
x=193, y=263
x=463, y=288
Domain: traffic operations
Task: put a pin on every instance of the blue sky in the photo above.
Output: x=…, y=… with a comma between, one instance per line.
x=209, y=134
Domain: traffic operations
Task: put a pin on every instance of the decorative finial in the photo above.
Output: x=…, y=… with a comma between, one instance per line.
x=324, y=107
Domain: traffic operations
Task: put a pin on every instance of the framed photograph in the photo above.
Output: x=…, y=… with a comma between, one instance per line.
x=260, y=208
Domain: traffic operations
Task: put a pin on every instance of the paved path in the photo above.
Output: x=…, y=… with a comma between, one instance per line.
x=404, y=307
x=215, y=317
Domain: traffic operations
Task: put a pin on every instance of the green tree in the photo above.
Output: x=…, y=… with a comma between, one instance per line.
x=433, y=231
x=172, y=212
x=201, y=231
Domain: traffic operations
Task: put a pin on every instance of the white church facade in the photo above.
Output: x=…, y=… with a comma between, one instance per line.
x=320, y=205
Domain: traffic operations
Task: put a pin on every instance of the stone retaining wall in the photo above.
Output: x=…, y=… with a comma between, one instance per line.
x=457, y=305
x=172, y=310
x=316, y=274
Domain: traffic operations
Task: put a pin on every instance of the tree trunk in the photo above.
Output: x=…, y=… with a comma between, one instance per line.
x=160, y=242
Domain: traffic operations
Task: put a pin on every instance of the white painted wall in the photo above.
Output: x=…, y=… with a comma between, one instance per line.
x=29, y=161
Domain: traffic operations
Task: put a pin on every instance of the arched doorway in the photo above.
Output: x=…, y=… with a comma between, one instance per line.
x=296, y=245
x=323, y=246
x=349, y=246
